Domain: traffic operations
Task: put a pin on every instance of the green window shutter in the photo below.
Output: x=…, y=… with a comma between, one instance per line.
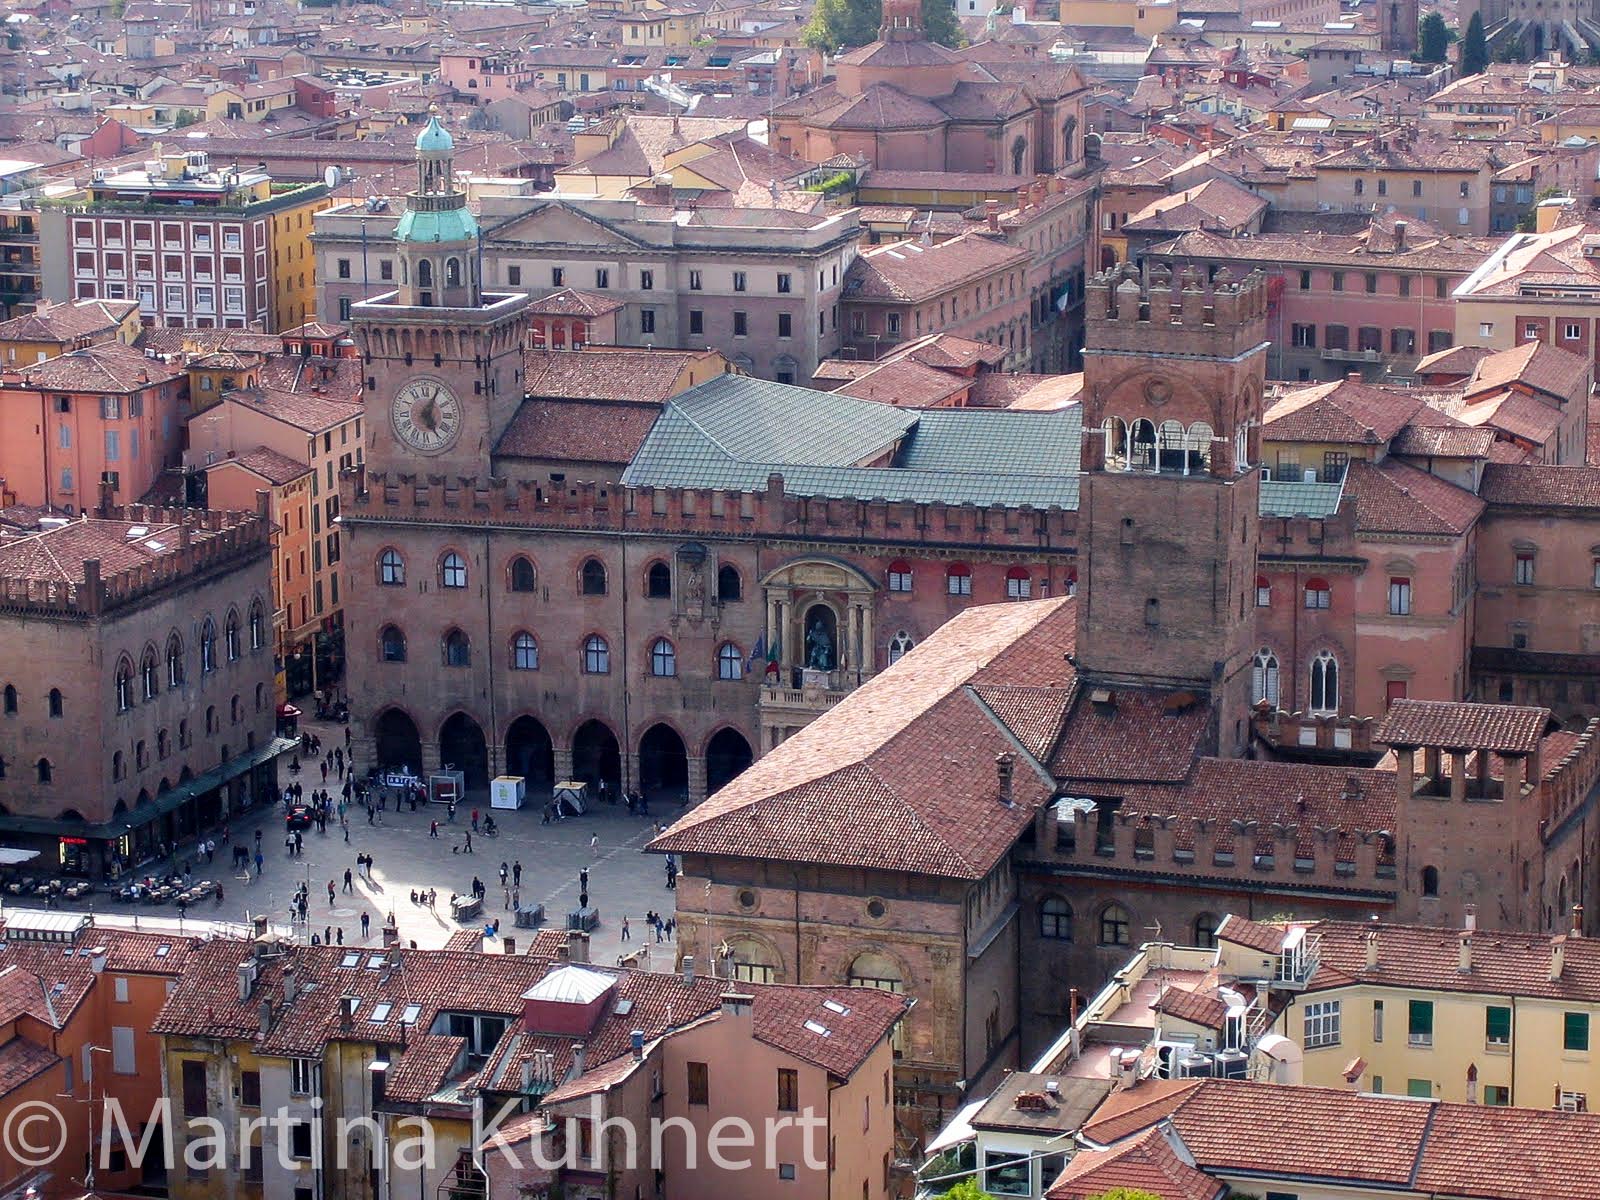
x=1497, y=1025
x=1421, y=1022
x=1575, y=1031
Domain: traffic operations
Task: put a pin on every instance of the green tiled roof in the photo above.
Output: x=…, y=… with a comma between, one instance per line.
x=1290, y=498
x=733, y=432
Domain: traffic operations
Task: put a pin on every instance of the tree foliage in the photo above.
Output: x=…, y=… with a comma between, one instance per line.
x=839, y=24
x=1122, y=1193
x=1433, y=39
x=966, y=1189
x=1475, y=48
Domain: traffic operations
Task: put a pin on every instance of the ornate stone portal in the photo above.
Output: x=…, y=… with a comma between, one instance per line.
x=819, y=640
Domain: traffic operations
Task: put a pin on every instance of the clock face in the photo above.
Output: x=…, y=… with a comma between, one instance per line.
x=426, y=415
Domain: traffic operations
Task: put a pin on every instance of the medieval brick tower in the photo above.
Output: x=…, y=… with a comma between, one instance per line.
x=1167, y=519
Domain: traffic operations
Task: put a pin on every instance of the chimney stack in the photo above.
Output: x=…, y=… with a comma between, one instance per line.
x=1005, y=765
x=266, y=1017
x=1558, y=956
x=288, y=983
x=991, y=212
x=1470, y=918
x=1400, y=228
x=636, y=1040
x=1464, y=960
x=1372, y=949
x=247, y=979
x=508, y=945
x=577, y=1059
x=688, y=968
x=578, y=946
x=1577, y=920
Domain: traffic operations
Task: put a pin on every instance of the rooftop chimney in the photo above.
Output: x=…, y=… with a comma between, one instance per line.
x=266, y=1017
x=1577, y=920
x=1005, y=764
x=688, y=968
x=288, y=983
x=577, y=1059
x=1470, y=918
x=347, y=1010
x=636, y=1039
x=578, y=946
x=1558, y=956
x=1372, y=949
x=991, y=212
x=1400, y=228
x=1464, y=961
x=247, y=979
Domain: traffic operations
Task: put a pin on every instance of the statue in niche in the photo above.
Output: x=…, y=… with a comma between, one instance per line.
x=819, y=647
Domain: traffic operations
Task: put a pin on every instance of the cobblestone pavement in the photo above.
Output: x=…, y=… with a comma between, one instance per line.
x=623, y=881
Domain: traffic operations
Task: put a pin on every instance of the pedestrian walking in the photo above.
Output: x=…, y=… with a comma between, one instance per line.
x=516, y=897
x=347, y=879
x=594, y=844
x=469, y=842
x=504, y=871
x=366, y=925
x=507, y=904
x=331, y=893
x=450, y=813
x=474, y=820
x=339, y=933
x=672, y=923
x=260, y=862
x=658, y=929
x=433, y=829
x=583, y=878
x=625, y=934
x=516, y=872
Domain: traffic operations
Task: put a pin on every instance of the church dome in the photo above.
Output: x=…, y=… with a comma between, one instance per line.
x=435, y=139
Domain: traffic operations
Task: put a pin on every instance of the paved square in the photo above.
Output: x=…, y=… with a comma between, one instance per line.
x=623, y=881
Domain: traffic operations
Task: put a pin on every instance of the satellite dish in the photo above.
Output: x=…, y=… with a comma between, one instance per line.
x=332, y=176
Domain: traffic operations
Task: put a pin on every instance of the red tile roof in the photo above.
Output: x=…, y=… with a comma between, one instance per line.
x=1258, y=936
x=1137, y=734
x=307, y=412
x=1326, y=1136
x=907, y=272
x=1393, y=497
x=1500, y=728
x=1443, y=441
x=21, y=1060
x=1428, y=957
x=67, y=322
x=1533, y=485
x=570, y=302
x=852, y=787
x=1549, y=369
x=906, y=383
x=1514, y=413
x=603, y=431
x=1344, y=412
x=267, y=463
x=605, y=373
x=1146, y=1164
x=107, y=367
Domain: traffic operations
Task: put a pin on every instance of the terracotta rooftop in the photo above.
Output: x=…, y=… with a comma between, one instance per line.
x=106, y=367
x=1326, y=1136
x=603, y=431
x=1443, y=441
x=907, y=272
x=66, y=322
x=306, y=411
x=570, y=302
x=607, y=373
x=1345, y=411
x=271, y=466
x=1500, y=728
x=1395, y=498
x=1514, y=413
x=1257, y=935
x=852, y=788
x=1549, y=369
x=1429, y=958
x=1145, y=1164
x=1534, y=485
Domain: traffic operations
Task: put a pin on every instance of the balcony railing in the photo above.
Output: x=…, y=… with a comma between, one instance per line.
x=1347, y=355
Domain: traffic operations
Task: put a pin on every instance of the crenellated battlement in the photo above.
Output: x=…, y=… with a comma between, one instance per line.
x=701, y=512
x=193, y=541
x=1568, y=783
x=1130, y=311
x=1300, y=848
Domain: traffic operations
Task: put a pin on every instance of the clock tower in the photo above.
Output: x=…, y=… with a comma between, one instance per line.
x=443, y=357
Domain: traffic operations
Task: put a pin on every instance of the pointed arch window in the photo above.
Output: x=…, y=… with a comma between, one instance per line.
x=592, y=578
x=174, y=661
x=124, y=686
x=663, y=658
x=231, y=636
x=1264, y=677
x=457, y=649
x=524, y=652
x=523, y=578
x=730, y=662
x=258, y=626
x=453, y=571
x=899, y=646
x=148, y=672
x=391, y=568
x=392, y=644
x=1325, y=684
x=208, y=645
x=596, y=656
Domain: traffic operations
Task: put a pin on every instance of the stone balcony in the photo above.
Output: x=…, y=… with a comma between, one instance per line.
x=784, y=708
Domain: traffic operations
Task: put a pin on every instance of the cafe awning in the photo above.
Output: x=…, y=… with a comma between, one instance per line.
x=167, y=802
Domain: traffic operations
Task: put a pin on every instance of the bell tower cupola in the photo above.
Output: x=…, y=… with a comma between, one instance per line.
x=437, y=235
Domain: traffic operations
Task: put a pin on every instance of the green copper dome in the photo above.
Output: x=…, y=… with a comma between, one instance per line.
x=449, y=225
x=435, y=139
